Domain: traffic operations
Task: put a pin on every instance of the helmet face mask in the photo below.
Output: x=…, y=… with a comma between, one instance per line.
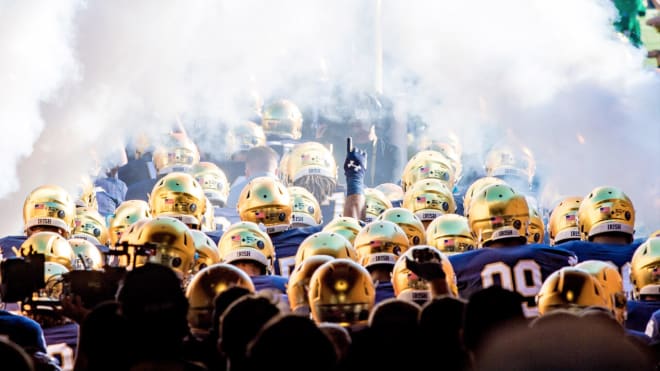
x=87, y=256
x=611, y=281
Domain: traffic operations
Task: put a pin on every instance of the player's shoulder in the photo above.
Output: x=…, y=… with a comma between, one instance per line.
x=7, y=244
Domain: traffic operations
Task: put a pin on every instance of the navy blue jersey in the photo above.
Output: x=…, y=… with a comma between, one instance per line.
x=8, y=243
x=639, y=313
x=23, y=331
x=110, y=193
x=619, y=255
x=270, y=282
x=61, y=343
x=140, y=190
x=520, y=269
x=286, y=245
x=384, y=290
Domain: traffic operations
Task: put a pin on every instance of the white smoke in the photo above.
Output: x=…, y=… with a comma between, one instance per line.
x=91, y=76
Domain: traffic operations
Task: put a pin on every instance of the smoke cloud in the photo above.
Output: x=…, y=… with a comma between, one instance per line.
x=82, y=76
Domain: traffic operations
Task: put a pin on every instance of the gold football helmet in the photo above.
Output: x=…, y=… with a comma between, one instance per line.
x=213, y=181
x=645, y=269
x=266, y=200
x=170, y=243
x=511, y=161
x=498, y=212
x=427, y=165
x=450, y=234
x=205, y=286
x=246, y=241
x=247, y=135
x=375, y=203
x=392, y=191
x=346, y=226
x=306, y=209
x=606, y=209
x=610, y=279
x=89, y=225
x=88, y=257
x=297, y=290
x=310, y=158
x=341, y=291
x=127, y=213
x=563, y=223
x=176, y=153
x=570, y=288
x=475, y=187
x=409, y=222
x=380, y=242
x=448, y=146
x=206, y=251
x=55, y=248
x=428, y=199
x=49, y=206
x=180, y=196
x=283, y=119
x=408, y=286
x=536, y=228
x=325, y=243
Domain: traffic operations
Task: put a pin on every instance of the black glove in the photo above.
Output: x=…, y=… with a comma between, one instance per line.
x=355, y=167
x=427, y=270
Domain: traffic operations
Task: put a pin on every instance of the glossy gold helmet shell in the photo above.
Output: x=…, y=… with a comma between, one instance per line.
x=176, y=153
x=475, y=187
x=392, y=191
x=409, y=222
x=498, y=212
x=570, y=288
x=246, y=241
x=265, y=200
x=180, y=196
x=450, y=234
x=306, y=209
x=88, y=257
x=610, y=279
x=127, y=213
x=55, y=248
x=563, y=223
x=213, y=181
x=247, y=135
x=375, y=203
x=645, y=269
x=297, y=290
x=606, y=209
x=511, y=161
x=170, y=243
x=408, y=286
x=206, y=251
x=536, y=228
x=310, y=158
x=205, y=286
x=282, y=119
x=325, y=243
x=380, y=242
x=344, y=225
x=49, y=206
x=428, y=165
x=428, y=199
x=88, y=224
x=341, y=291
x=53, y=279
x=128, y=244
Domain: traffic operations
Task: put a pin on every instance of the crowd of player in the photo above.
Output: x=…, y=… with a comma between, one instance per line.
x=300, y=272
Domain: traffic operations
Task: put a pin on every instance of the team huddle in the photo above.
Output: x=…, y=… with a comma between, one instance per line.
x=333, y=254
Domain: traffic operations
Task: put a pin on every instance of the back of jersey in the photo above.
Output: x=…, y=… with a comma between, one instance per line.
x=619, y=255
x=521, y=269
